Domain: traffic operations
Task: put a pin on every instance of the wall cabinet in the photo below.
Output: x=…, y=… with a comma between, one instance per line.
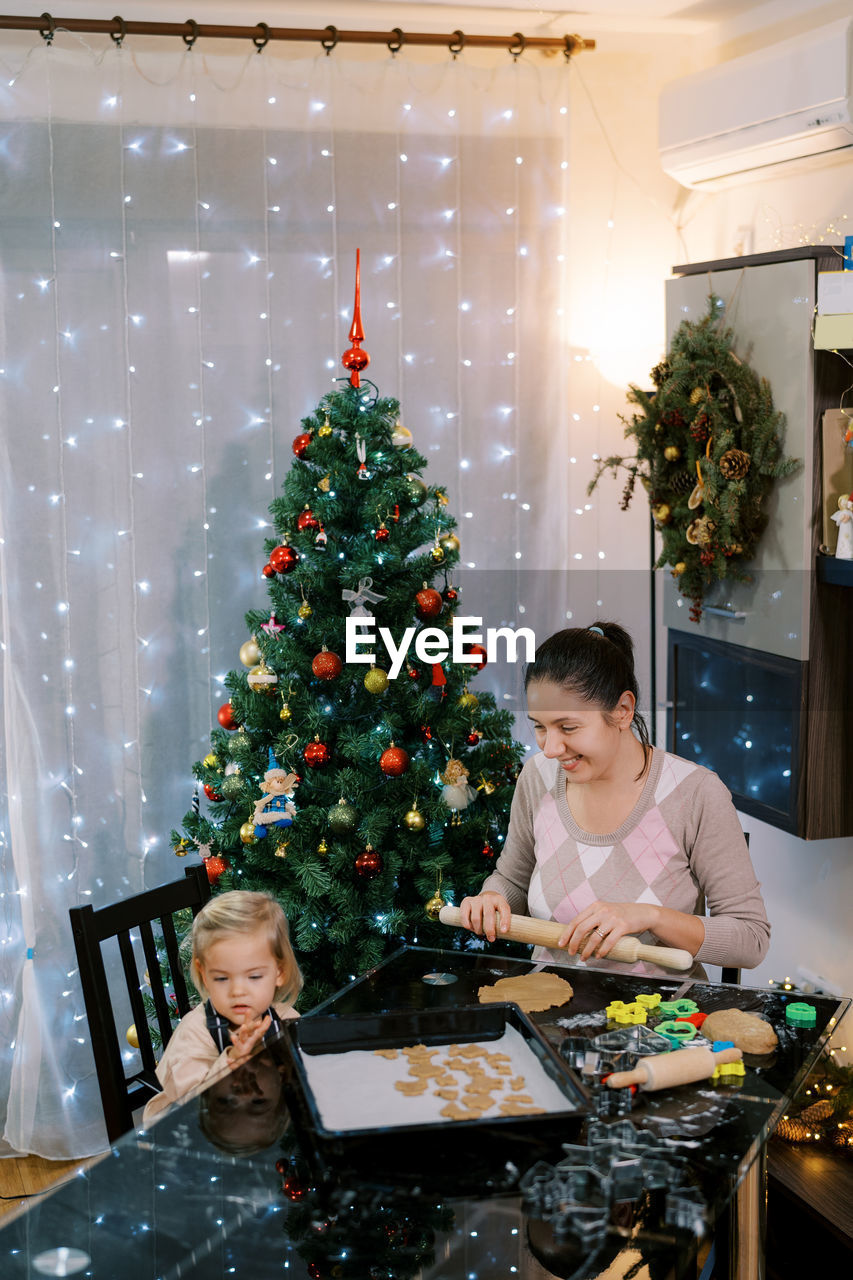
x=760, y=689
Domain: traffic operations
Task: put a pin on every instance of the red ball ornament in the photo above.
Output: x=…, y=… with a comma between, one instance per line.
x=268, y=571
x=283, y=559
x=316, y=754
x=215, y=866
x=314, y=1271
x=473, y=738
x=450, y=595
x=301, y=443
x=412, y=672
x=368, y=864
x=487, y=851
x=428, y=603
x=355, y=359
x=383, y=533
x=394, y=761
x=225, y=716
x=326, y=665
x=426, y=732
x=477, y=651
x=307, y=520
x=211, y=792
x=293, y=1187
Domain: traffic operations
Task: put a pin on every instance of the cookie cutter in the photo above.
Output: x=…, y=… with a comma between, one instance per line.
x=677, y=1008
x=677, y=1033
x=800, y=1014
x=641, y=1041
x=626, y=1014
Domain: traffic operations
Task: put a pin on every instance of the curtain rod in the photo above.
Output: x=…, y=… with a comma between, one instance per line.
x=261, y=34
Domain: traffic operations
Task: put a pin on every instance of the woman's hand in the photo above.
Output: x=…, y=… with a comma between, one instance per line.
x=596, y=929
x=487, y=914
x=244, y=1039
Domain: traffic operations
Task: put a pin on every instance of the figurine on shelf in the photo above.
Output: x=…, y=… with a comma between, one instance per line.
x=843, y=517
x=275, y=808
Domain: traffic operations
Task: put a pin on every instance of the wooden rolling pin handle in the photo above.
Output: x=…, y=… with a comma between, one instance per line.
x=547, y=933
x=667, y=1070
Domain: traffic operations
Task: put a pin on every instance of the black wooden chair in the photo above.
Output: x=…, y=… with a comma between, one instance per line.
x=727, y=974
x=122, y=1094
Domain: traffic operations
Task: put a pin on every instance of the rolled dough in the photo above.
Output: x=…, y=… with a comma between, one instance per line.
x=746, y=1030
x=532, y=992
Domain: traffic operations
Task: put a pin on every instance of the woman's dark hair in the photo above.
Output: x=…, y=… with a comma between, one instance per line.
x=596, y=662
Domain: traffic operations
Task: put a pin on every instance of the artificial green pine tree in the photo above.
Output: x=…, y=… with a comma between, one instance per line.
x=373, y=838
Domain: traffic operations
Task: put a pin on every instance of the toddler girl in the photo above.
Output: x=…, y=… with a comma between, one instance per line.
x=245, y=970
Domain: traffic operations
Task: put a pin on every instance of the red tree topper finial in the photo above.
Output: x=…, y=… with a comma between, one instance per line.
x=355, y=359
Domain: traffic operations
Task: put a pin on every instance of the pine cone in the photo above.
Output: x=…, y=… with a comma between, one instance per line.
x=792, y=1130
x=817, y=1112
x=681, y=482
x=697, y=394
x=661, y=372
x=734, y=464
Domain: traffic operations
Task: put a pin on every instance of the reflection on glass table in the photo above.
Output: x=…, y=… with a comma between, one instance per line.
x=240, y=1181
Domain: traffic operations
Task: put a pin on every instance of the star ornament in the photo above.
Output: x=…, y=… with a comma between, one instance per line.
x=272, y=627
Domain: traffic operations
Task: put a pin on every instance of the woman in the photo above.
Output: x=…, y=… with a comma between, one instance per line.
x=611, y=836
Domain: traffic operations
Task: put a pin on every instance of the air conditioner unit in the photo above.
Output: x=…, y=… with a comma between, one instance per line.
x=781, y=103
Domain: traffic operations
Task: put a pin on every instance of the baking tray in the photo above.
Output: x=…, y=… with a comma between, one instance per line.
x=423, y=1152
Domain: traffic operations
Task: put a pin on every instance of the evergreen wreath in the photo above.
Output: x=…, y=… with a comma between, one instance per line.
x=708, y=450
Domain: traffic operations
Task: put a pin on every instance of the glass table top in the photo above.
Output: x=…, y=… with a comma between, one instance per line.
x=237, y=1181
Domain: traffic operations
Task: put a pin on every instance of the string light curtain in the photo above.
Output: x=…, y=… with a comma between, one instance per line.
x=179, y=235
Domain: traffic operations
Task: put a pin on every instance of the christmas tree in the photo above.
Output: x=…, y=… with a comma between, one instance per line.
x=360, y=794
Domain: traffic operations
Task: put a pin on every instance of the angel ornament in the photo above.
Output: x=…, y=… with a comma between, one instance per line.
x=457, y=793
x=275, y=808
x=843, y=517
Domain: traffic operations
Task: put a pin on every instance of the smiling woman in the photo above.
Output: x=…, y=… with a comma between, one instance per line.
x=611, y=836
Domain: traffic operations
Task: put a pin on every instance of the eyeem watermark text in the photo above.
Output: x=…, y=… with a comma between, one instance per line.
x=432, y=644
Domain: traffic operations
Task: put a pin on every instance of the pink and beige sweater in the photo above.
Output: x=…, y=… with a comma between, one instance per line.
x=682, y=847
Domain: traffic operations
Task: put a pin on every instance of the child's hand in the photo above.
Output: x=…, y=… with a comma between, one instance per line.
x=244, y=1039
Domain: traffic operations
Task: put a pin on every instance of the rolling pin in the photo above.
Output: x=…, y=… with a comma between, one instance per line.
x=682, y=1066
x=545, y=933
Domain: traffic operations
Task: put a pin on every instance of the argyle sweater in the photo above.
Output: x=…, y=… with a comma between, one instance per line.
x=682, y=847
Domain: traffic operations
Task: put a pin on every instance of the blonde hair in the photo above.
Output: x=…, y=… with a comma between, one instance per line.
x=244, y=911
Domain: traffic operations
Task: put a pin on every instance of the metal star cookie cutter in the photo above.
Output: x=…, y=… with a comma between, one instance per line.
x=639, y=1040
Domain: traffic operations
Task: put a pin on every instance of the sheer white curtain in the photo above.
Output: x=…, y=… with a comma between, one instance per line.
x=177, y=243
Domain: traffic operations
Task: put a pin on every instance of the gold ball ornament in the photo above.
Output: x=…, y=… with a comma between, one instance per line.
x=250, y=654
x=326, y=430
x=662, y=513
x=131, y=1036
x=210, y=760
x=401, y=437
x=450, y=543
x=261, y=680
x=247, y=833
x=322, y=848
x=376, y=680
x=285, y=714
x=436, y=554
x=434, y=905
x=672, y=453
x=304, y=611
x=469, y=700
x=414, y=819
x=678, y=568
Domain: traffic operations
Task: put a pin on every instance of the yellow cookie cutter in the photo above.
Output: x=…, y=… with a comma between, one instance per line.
x=626, y=1014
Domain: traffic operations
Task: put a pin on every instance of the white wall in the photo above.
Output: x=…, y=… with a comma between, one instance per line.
x=617, y=299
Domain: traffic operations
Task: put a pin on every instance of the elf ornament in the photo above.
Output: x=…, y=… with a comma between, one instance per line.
x=275, y=808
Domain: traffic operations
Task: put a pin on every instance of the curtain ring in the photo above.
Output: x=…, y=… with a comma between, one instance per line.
x=457, y=44
x=570, y=42
x=47, y=36
x=189, y=40
x=260, y=42
x=118, y=40
x=330, y=39
x=396, y=45
x=517, y=46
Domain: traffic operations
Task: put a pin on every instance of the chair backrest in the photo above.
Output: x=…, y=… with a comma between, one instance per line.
x=728, y=974
x=122, y=1094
